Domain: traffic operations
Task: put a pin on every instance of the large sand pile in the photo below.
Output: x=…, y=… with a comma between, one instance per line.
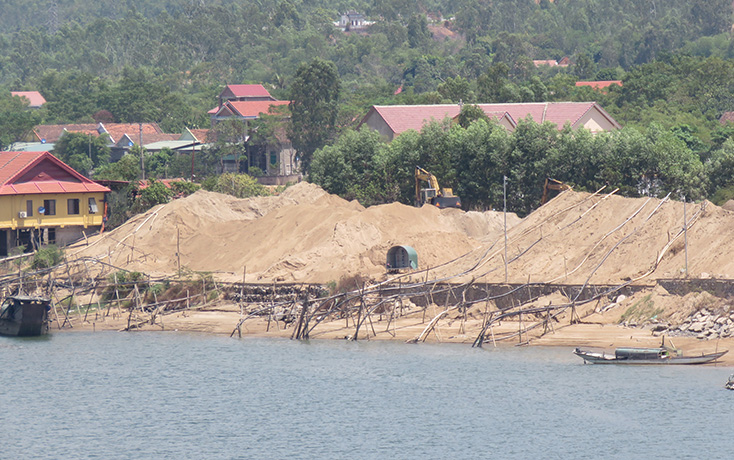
x=610, y=239
x=303, y=235
x=307, y=235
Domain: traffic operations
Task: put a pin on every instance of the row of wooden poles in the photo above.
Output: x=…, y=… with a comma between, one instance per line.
x=86, y=276
x=304, y=313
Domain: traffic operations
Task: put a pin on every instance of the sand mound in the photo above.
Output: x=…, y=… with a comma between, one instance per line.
x=308, y=235
x=303, y=235
x=579, y=237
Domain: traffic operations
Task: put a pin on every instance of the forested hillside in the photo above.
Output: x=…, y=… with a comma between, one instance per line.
x=166, y=60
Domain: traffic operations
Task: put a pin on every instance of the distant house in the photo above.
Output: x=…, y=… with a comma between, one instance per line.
x=34, y=98
x=726, y=117
x=601, y=86
x=352, y=20
x=250, y=93
x=563, y=62
x=188, y=141
x=392, y=120
x=44, y=201
x=275, y=160
x=123, y=136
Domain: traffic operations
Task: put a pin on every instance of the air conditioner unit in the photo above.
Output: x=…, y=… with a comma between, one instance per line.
x=22, y=214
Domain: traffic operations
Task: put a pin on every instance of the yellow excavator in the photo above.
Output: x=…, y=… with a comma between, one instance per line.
x=552, y=184
x=433, y=194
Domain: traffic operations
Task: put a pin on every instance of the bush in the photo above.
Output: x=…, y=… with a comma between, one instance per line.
x=47, y=257
x=183, y=188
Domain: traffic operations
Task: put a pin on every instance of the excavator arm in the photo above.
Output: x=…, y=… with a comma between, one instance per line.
x=552, y=184
x=434, y=194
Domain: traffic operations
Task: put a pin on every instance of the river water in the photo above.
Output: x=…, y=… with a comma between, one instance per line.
x=180, y=396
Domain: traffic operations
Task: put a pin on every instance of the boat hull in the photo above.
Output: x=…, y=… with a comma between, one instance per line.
x=24, y=317
x=602, y=358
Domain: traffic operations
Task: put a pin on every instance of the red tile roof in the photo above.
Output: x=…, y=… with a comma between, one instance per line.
x=726, y=117
x=599, y=84
x=52, y=133
x=151, y=131
x=27, y=173
x=248, y=90
x=201, y=134
x=252, y=108
x=34, y=97
x=401, y=118
x=548, y=62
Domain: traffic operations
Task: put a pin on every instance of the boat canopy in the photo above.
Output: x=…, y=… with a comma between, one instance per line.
x=640, y=353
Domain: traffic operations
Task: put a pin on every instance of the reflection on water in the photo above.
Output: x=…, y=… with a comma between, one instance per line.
x=175, y=395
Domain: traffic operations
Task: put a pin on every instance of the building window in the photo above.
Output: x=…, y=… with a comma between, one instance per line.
x=93, y=206
x=273, y=159
x=49, y=207
x=29, y=208
x=72, y=206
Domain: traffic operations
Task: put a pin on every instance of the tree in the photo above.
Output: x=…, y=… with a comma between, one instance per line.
x=16, y=120
x=490, y=85
x=350, y=167
x=469, y=114
x=126, y=169
x=239, y=185
x=314, y=107
x=418, y=33
x=83, y=152
x=456, y=90
x=153, y=194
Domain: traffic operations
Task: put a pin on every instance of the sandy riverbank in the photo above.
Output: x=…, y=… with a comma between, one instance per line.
x=222, y=320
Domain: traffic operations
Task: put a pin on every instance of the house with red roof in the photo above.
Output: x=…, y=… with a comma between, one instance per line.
x=122, y=136
x=252, y=93
x=35, y=100
x=392, y=120
x=601, y=85
x=45, y=201
x=276, y=159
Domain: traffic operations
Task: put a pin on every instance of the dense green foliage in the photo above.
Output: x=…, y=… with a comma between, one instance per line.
x=16, y=121
x=238, y=185
x=83, y=152
x=474, y=161
x=165, y=62
x=47, y=257
x=314, y=106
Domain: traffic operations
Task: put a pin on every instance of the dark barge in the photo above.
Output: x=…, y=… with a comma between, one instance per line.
x=24, y=316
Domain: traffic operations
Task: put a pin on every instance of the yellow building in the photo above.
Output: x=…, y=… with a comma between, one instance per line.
x=44, y=201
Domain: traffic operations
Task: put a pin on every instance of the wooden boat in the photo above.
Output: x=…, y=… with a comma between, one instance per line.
x=660, y=355
x=24, y=316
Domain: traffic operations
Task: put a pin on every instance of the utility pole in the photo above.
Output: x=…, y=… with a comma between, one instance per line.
x=685, y=233
x=142, y=155
x=504, y=214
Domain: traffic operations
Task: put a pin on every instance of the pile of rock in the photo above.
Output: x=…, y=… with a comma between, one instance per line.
x=705, y=324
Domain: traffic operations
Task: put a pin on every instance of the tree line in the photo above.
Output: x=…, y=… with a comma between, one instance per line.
x=475, y=160
x=165, y=62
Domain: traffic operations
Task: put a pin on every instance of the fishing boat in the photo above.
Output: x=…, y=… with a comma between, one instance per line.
x=660, y=355
x=24, y=316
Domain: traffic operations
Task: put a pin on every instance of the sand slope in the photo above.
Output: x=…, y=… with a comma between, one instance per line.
x=307, y=235
x=303, y=235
